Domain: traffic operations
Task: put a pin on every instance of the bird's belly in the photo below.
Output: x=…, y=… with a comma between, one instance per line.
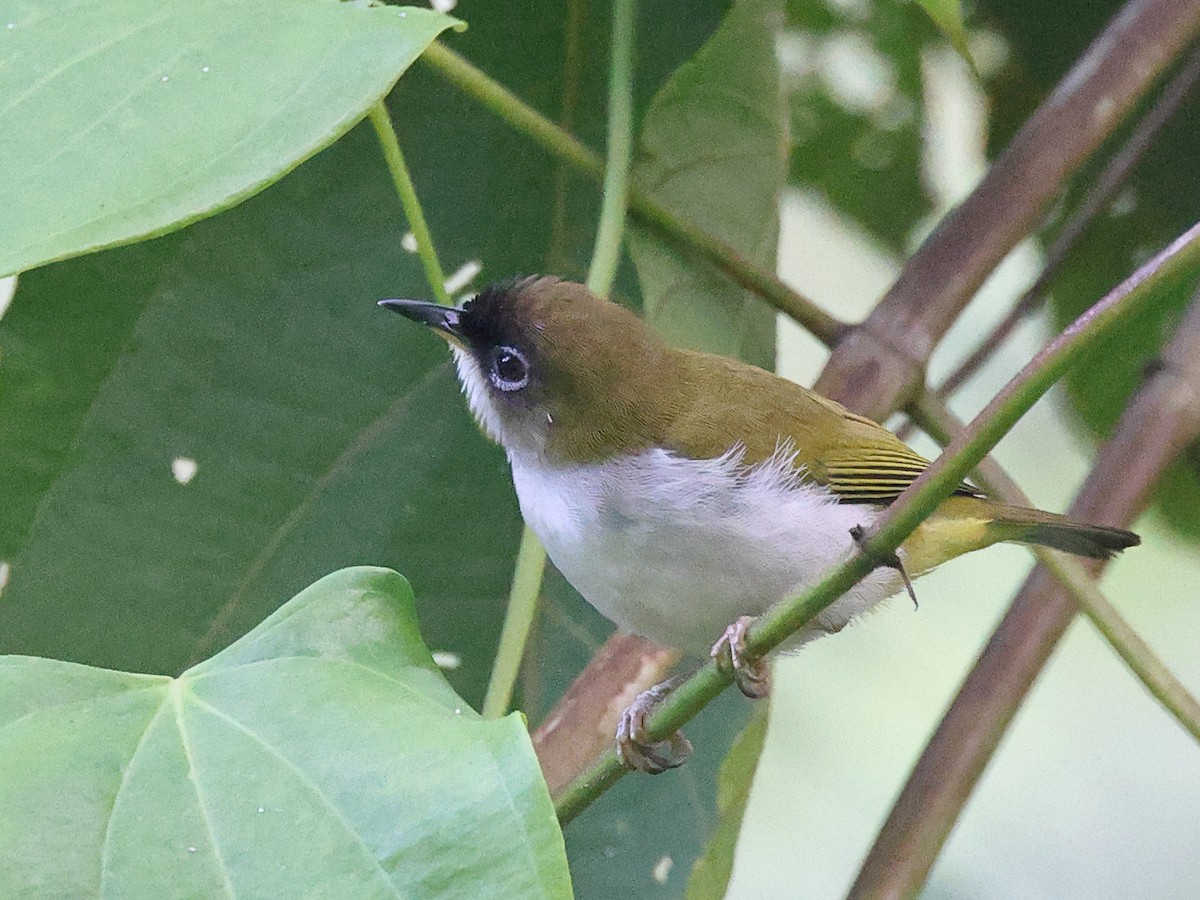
x=675, y=549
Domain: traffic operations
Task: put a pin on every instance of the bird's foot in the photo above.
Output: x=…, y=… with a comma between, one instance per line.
x=751, y=674
x=886, y=560
x=635, y=750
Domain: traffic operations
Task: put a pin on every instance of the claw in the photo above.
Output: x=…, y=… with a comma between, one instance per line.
x=887, y=560
x=751, y=674
x=635, y=750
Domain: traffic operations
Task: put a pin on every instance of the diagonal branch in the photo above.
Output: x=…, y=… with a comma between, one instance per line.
x=1158, y=424
x=1115, y=173
x=880, y=365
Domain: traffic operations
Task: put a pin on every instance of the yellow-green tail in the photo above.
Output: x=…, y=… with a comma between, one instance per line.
x=1034, y=526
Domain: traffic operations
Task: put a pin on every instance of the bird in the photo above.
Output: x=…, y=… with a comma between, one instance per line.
x=684, y=493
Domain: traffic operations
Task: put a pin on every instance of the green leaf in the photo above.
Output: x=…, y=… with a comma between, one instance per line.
x=947, y=16
x=125, y=119
x=321, y=755
x=323, y=434
x=713, y=149
x=710, y=874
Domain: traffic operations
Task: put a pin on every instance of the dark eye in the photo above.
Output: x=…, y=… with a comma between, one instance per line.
x=510, y=371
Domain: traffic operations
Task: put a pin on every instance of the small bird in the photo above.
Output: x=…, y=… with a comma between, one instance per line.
x=684, y=493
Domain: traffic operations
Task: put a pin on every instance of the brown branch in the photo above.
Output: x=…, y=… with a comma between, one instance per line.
x=582, y=724
x=1162, y=419
x=1101, y=193
x=880, y=365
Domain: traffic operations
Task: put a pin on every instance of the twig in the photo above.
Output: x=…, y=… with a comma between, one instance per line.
x=642, y=206
x=386, y=133
x=583, y=722
x=1161, y=420
x=907, y=512
x=879, y=365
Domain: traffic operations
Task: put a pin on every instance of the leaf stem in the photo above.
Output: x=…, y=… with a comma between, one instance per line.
x=919, y=500
x=528, y=121
x=531, y=558
x=386, y=132
x=518, y=620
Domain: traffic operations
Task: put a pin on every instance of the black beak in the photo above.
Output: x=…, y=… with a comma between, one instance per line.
x=444, y=319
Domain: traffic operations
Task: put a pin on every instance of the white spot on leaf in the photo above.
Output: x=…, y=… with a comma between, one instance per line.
x=184, y=469
x=409, y=242
x=662, y=869
x=447, y=659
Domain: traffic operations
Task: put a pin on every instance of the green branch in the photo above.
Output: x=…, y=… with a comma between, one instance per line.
x=531, y=558
x=386, y=133
x=904, y=515
x=644, y=208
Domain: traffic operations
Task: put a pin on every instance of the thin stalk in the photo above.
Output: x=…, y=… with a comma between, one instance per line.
x=919, y=500
x=531, y=558
x=940, y=424
x=518, y=620
x=392, y=154
x=528, y=121
x=606, y=254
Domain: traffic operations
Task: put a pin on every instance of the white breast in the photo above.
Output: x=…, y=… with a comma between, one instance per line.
x=675, y=549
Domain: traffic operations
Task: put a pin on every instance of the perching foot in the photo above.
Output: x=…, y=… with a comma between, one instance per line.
x=635, y=750
x=751, y=674
x=886, y=560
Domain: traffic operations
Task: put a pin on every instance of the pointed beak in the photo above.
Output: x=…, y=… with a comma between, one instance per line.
x=442, y=319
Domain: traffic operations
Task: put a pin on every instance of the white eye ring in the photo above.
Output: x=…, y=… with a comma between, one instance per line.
x=509, y=370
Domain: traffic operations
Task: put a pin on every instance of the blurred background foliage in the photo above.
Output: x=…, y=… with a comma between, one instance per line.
x=198, y=426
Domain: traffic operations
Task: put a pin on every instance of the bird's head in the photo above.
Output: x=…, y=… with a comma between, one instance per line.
x=553, y=371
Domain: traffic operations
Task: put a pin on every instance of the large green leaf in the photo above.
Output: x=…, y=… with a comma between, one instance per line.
x=324, y=433
x=128, y=118
x=250, y=344
x=713, y=148
x=321, y=755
